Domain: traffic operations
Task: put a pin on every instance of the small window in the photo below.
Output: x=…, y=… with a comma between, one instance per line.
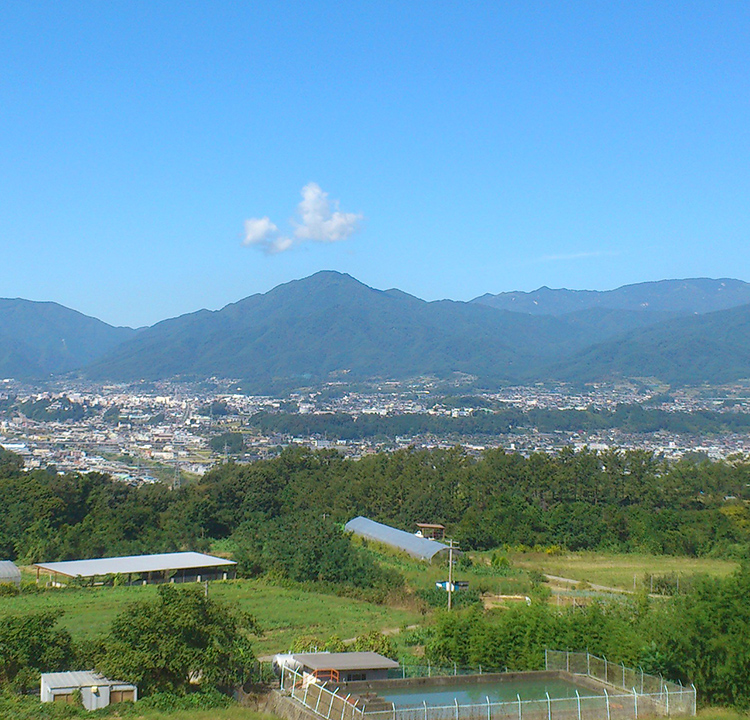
x=355, y=676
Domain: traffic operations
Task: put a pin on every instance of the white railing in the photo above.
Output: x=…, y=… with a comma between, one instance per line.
x=319, y=699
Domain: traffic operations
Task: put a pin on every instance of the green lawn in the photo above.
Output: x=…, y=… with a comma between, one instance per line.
x=283, y=613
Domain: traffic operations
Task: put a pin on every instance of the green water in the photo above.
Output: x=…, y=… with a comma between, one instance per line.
x=472, y=693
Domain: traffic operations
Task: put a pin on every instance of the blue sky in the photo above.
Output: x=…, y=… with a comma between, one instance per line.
x=447, y=149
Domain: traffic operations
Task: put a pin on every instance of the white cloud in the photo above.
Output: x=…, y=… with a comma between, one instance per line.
x=258, y=231
x=318, y=222
x=315, y=222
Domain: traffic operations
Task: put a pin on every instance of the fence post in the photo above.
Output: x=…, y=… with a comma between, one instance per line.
x=330, y=708
x=623, y=674
x=695, y=698
x=606, y=696
x=394, y=710
x=403, y=672
x=304, y=698
x=455, y=672
x=667, y=689
x=455, y=700
x=641, y=681
x=480, y=669
x=635, y=703
x=549, y=706
x=578, y=700
x=588, y=663
x=283, y=667
x=606, y=671
x=567, y=661
x=546, y=660
x=429, y=669
x=424, y=702
x=344, y=704
x=520, y=711
x=320, y=695
x=489, y=708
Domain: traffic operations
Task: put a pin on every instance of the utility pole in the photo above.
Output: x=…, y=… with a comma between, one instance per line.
x=450, y=573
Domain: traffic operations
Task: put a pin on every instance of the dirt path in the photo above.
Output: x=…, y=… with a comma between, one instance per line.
x=592, y=586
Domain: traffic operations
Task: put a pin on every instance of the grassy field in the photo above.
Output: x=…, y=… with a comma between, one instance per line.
x=283, y=613
x=618, y=570
x=424, y=575
x=26, y=708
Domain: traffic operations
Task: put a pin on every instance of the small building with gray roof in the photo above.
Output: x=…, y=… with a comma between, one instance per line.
x=96, y=691
x=345, y=666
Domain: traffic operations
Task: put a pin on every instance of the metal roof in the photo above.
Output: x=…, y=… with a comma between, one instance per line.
x=345, y=661
x=134, y=564
x=417, y=547
x=78, y=679
x=9, y=573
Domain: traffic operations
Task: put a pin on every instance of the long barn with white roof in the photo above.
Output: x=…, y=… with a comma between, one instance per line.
x=144, y=569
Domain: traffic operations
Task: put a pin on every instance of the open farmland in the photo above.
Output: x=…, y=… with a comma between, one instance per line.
x=617, y=570
x=283, y=612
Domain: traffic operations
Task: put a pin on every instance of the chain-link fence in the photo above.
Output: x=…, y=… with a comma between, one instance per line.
x=670, y=698
x=647, y=696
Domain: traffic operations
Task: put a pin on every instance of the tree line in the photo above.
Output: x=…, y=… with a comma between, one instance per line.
x=479, y=422
x=627, y=501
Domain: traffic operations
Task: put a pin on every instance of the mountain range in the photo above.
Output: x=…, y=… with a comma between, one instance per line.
x=331, y=326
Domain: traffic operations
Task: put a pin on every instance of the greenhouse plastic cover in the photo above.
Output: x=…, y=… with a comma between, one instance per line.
x=417, y=547
x=9, y=572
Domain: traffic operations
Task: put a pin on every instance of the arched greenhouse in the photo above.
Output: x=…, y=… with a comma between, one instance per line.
x=9, y=573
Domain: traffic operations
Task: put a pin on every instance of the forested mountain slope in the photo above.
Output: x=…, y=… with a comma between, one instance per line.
x=38, y=339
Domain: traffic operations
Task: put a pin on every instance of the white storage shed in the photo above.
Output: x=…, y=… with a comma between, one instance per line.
x=96, y=690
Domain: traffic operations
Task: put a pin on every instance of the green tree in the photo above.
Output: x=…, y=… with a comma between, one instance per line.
x=182, y=637
x=31, y=644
